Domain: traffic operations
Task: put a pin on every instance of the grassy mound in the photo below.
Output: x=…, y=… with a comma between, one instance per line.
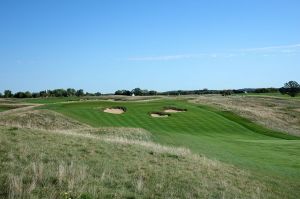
x=46, y=164
x=39, y=119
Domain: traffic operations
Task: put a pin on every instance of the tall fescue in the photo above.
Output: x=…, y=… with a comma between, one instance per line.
x=58, y=165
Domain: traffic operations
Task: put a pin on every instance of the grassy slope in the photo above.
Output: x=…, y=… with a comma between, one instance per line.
x=45, y=164
x=218, y=135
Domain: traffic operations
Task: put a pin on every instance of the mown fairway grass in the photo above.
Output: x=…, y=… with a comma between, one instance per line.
x=220, y=135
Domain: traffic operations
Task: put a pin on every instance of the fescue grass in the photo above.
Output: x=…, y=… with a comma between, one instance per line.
x=46, y=164
x=274, y=113
x=275, y=95
x=270, y=155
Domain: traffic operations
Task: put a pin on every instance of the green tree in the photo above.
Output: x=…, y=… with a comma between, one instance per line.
x=137, y=91
x=152, y=92
x=43, y=94
x=28, y=94
x=35, y=95
x=71, y=91
x=79, y=93
x=19, y=95
x=7, y=93
x=292, y=88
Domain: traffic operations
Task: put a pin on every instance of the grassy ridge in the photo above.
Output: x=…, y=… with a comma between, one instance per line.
x=204, y=131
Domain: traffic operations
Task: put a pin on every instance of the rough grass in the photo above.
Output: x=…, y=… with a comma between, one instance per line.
x=39, y=119
x=46, y=164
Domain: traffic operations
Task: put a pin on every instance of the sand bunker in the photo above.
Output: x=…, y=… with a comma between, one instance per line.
x=174, y=110
x=159, y=114
x=114, y=110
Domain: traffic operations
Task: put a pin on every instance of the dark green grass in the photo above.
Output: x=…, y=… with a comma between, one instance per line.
x=221, y=135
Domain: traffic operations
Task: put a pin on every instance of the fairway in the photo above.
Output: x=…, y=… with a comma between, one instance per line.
x=218, y=135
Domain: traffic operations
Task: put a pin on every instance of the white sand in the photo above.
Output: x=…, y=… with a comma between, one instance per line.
x=158, y=115
x=172, y=111
x=114, y=110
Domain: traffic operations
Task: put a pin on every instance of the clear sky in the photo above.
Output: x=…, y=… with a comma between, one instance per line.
x=153, y=44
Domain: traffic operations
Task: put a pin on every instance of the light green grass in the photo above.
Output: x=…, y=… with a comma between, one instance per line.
x=221, y=135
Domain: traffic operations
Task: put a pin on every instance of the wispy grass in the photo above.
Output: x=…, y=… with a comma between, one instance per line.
x=52, y=165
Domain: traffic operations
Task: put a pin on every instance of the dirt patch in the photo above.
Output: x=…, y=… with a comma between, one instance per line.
x=159, y=114
x=115, y=110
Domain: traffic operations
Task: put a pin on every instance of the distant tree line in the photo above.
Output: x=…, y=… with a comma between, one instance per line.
x=136, y=92
x=291, y=88
x=48, y=93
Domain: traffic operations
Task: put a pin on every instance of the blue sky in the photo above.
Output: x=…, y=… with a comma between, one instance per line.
x=154, y=44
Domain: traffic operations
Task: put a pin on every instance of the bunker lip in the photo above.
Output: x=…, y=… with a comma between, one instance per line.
x=115, y=110
x=171, y=109
x=159, y=114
